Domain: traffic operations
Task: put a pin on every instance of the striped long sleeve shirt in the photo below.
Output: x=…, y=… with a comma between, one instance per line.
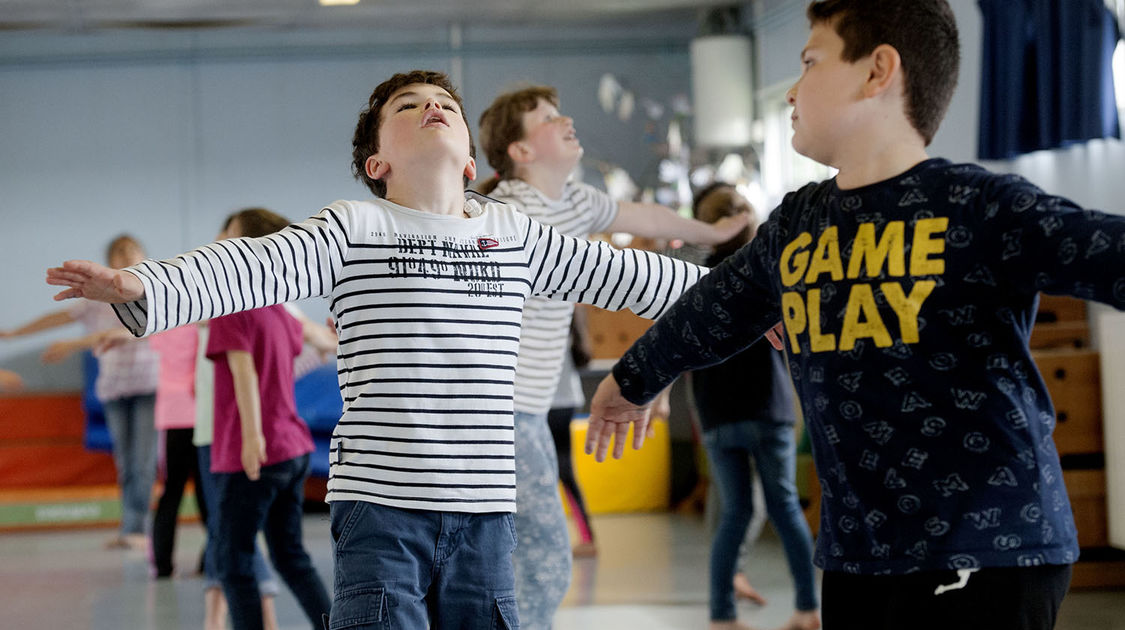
x=544, y=335
x=428, y=309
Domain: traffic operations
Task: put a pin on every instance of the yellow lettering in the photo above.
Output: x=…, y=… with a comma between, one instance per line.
x=817, y=341
x=826, y=258
x=926, y=245
x=907, y=307
x=889, y=250
x=861, y=301
x=792, y=270
x=793, y=316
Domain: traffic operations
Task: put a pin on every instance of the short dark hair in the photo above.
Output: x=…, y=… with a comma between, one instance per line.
x=502, y=124
x=255, y=222
x=365, y=142
x=924, y=32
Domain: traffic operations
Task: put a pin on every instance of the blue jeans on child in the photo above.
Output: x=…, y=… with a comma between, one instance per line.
x=406, y=569
x=771, y=445
x=131, y=425
x=272, y=504
x=267, y=583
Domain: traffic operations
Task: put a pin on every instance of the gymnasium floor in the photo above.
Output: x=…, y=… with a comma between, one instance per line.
x=651, y=573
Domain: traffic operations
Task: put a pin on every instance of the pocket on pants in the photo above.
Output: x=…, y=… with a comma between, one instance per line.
x=360, y=608
x=505, y=615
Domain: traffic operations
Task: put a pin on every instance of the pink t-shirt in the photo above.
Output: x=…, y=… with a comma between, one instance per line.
x=273, y=338
x=175, y=389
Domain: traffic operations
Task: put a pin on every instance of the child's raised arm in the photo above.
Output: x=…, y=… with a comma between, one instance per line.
x=652, y=220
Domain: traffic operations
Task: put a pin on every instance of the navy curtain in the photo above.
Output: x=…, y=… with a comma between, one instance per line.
x=1047, y=75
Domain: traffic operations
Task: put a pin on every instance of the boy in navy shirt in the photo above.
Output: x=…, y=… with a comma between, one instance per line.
x=907, y=287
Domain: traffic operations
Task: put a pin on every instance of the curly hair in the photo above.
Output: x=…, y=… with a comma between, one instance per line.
x=365, y=142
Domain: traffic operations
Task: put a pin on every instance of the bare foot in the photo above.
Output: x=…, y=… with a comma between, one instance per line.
x=743, y=590
x=117, y=542
x=733, y=624
x=136, y=541
x=215, y=609
x=585, y=550
x=803, y=620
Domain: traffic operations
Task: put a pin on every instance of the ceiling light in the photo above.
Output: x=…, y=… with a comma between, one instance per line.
x=337, y=3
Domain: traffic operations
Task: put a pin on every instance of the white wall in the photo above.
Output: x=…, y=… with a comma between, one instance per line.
x=165, y=137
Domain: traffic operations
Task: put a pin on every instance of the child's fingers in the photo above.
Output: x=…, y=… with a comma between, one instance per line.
x=621, y=434
x=640, y=432
x=68, y=294
x=604, y=437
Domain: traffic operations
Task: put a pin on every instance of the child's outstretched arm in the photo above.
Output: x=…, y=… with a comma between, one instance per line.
x=96, y=282
x=652, y=220
x=51, y=320
x=246, y=395
x=221, y=278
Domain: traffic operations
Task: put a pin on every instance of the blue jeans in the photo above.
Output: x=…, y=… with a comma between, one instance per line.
x=407, y=569
x=131, y=424
x=772, y=447
x=273, y=503
x=267, y=584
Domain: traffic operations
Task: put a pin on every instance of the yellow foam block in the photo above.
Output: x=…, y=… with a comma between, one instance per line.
x=638, y=482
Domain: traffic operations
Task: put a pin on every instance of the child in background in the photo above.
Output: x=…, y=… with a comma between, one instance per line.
x=908, y=288
x=534, y=150
x=747, y=412
x=175, y=419
x=214, y=602
x=427, y=288
x=126, y=387
x=260, y=449
x=568, y=400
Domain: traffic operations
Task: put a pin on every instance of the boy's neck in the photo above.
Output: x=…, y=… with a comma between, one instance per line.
x=547, y=181
x=427, y=195
x=877, y=157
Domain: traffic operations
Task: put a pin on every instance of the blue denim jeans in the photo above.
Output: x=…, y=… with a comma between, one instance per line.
x=272, y=504
x=131, y=425
x=772, y=447
x=408, y=569
x=267, y=583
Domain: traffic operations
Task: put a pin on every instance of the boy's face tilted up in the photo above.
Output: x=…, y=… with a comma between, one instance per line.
x=421, y=126
x=827, y=98
x=550, y=136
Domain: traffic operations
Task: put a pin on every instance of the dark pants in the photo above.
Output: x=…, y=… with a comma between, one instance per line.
x=407, y=569
x=180, y=464
x=1023, y=598
x=273, y=504
x=559, y=422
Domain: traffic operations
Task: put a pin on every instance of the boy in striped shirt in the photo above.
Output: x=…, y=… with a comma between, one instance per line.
x=427, y=289
x=535, y=150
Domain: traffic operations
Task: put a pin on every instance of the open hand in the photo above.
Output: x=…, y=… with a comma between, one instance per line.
x=610, y=416
x=10, y=381
x=728, y=227
x=59, y=351
x=96, y=282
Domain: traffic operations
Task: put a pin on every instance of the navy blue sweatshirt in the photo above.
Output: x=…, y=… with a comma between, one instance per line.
x=907, y=307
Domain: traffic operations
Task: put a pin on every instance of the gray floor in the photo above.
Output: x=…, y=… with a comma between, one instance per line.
x=651, y=573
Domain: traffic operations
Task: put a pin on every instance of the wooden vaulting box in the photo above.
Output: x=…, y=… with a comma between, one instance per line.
x=1073, y=379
